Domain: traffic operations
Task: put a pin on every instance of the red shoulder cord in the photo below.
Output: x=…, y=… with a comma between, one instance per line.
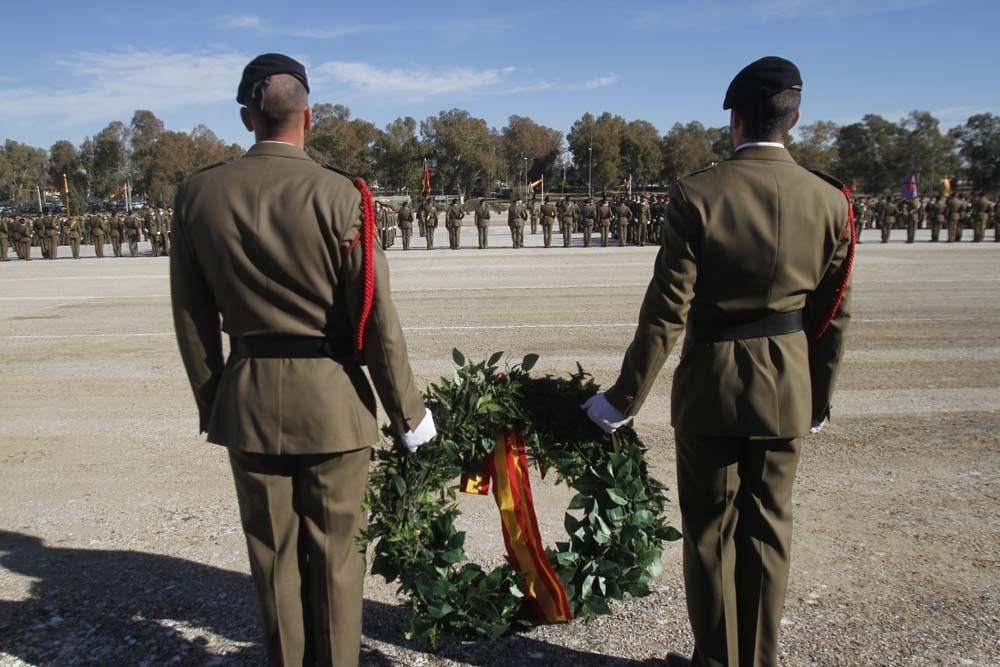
x=367, y=238
x=848, y=267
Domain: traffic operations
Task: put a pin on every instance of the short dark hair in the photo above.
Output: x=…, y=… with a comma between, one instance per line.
x=770, y=119
x=278, y=100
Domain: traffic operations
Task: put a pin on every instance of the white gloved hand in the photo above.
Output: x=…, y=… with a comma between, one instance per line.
x=817, y=427
x=421, y=435
x=605, y=415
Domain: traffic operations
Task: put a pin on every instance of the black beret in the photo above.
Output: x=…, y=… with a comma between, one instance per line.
x=760, y=80
x=264, y=66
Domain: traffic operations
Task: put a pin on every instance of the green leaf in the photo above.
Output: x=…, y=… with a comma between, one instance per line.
x=457, y=357
x=400, y=484
x=672, y=534
x=494, y=358
x=529, y=362
x=578, y=502
x=616, y=497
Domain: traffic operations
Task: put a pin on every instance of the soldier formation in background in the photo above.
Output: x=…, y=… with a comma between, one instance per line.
x=620, y=220
x=951, y=215
x=49, y=232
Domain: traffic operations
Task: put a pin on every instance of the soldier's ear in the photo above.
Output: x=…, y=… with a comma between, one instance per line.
x=308, y=120
x=795, y=121
x=246, y=118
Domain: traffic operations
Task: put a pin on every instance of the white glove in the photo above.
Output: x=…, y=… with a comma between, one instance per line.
x=605, y=415
x=421, y=435
x=817, y=427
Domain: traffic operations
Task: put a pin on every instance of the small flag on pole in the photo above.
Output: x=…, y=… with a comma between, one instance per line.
x=947, y=187
x=910, y=187
x=427, y=180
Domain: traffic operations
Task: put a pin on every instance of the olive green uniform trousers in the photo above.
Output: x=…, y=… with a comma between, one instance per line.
x=302, y=516
x=735, y=497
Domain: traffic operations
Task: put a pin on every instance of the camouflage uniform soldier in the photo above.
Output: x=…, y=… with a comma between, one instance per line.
x=548, y=213
x=430, y=215
x=405, y=218
x=568, y=214
x=623, y=214
x=73, y=233
x=483, y=223
x=588, y=213
x=453, y=222
x=604, y=217
x=981, y=212
x=517, y=215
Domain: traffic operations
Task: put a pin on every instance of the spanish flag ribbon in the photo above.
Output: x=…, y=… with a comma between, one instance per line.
x=508, y=468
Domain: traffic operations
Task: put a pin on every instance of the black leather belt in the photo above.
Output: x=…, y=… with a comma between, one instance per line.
x=775, y=324
x=286, y=347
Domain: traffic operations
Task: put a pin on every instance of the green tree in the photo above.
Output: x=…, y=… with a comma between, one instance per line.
x=462, y=150
x=22, y=168
x=817, y=146
x=64, y=160
x=596, y=146
x=979, y=146
x=110, y=164
x=926, y=152
x=140, y=145
x=337, y=139
x=172, y=159
x=641, y=155
x=686, y=148
x=524, y=138
x=399, y=156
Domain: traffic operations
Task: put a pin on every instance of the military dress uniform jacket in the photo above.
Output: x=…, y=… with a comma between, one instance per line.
x=263, y=246
x=750, y=237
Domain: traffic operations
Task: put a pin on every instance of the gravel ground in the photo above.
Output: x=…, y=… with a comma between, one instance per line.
x=119, y=534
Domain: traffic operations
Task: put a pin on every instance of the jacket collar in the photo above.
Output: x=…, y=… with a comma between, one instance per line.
x=275, y=149
x=770, y=153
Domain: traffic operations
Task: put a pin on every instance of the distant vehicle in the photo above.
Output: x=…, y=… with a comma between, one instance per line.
x=138, y=205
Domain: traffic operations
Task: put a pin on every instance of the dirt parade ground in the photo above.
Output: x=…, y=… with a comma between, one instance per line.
x=119, y=533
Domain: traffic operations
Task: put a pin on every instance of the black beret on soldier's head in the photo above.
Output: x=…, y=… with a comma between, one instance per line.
x=761, y=80
x=264, y=66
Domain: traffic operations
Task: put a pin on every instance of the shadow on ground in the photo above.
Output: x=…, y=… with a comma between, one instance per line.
x=96, y=607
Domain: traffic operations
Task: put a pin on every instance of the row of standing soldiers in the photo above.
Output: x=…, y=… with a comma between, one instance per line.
x=951, y=214
x=49, y=232
x=634, y=220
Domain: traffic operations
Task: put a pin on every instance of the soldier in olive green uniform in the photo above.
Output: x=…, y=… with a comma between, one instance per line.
x=981, y=216
x=566, y=218
x=910, y=216
x=98, y=232
x=73, y=234
x=889, y=208
x=953, y=211
x=265, y=246
x=623, y=216
x=996, y=222
x=53, y=228
x=549, y=213
x=115, y=233
x=588, y=217
x=604, y=218
x=769, y=245
x=517, y=215
x=937, y=215
x=4, y=238
x=429, y=214
x=534, y=209
x=453, y=222
x=152, y=231
x=483, y=223
x=405, y=217
x=132, y=229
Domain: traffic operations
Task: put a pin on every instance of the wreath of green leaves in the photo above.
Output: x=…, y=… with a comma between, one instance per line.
x=615, y=524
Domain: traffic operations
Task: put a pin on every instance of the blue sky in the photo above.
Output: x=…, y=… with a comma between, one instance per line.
x=69, y=68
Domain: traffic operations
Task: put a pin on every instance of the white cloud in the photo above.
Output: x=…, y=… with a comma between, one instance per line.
x=415, y=83
x=113, y=85
x=601, y=82
x=242, y=22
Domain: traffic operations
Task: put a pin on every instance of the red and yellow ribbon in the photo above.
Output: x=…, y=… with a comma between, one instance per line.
x=508, y=468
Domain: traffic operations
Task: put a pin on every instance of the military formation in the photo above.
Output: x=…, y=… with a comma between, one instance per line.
x=947, y=217
x=620, y=220
x=120, y=230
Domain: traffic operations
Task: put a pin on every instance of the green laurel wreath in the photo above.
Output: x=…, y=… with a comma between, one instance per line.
x=615, y=524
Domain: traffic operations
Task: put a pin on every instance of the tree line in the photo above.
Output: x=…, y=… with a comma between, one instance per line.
x=467, y=156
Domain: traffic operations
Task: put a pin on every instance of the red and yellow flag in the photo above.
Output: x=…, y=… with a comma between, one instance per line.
x=508, y=467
